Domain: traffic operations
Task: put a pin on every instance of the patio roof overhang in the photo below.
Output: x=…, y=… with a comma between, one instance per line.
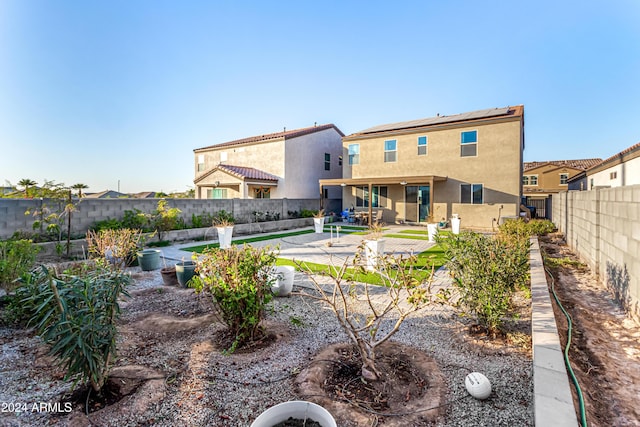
x=394, y=180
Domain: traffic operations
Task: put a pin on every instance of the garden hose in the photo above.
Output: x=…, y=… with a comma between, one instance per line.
x=583, y=413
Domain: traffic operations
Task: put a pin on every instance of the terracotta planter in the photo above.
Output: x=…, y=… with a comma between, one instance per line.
x=169, y=276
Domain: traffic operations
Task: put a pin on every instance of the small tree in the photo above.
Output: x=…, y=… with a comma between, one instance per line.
x=239, y=283
x=367, y=331
x=164, y=218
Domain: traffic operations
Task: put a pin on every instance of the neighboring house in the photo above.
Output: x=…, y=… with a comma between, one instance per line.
x=107, y=194
x=541, y=180
x=5, y=191
x=618, y=170
x=285, y=164
x=144, y=195
x=425, y=170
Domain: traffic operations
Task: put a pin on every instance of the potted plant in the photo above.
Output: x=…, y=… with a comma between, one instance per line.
x=295, y=410
x=169, y=276
x=223, y=222
x=318, y=221
x=283, y=283
x=374, y=245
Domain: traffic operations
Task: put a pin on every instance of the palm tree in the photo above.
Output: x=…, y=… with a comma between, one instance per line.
x=79, y=187
x=27, y=183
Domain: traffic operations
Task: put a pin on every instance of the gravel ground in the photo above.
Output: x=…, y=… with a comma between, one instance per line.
x=201, y=386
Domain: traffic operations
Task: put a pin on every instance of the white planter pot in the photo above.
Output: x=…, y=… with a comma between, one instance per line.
x=455, y=225
x=318, y=224
x=373, y=250
x=432, y=230
x=297, y=409
x=224, y=236
x=283, y=285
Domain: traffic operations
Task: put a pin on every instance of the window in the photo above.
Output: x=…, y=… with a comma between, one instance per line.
x=613, y=175
x=472, y=193
x=327, y=161
x=422, y=146
x=262, y=192
x=223, y=156
x=564, y=177
x=354, y=154
x=216, y=193
x=469, y=143
x=530, y=180
x=390, y=150
x=339, y=160
x=378, y=199
x=200, y=162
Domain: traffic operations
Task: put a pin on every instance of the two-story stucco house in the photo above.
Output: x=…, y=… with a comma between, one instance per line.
x=541, y=180
x=425, y=170
x=285, y=164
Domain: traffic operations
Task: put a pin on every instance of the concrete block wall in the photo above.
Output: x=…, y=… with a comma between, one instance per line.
x=603, y=227
x=88, y=211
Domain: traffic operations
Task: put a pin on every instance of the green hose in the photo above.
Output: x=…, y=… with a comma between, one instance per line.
x=583, y=413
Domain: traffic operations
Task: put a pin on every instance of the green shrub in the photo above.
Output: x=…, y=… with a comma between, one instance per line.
x=223, y=218
x=486, y=271
x=306, y=213
x=16, y=258
x=77, y=316
x=239, y=283
x=535, y=227
x=202, y=220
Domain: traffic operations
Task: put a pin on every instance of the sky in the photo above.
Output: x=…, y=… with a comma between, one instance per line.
x=117, y=94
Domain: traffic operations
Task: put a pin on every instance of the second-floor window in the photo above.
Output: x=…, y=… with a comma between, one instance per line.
x=472, y=193
x=613, y=175
x=564, y=178
x=200, y=162
x=327, y=161
x=354, y=154
x=530, y=180
x=422, y=146
x=390, y=150
x=469, y=143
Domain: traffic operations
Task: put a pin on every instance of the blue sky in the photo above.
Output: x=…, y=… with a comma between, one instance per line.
x=97, y=92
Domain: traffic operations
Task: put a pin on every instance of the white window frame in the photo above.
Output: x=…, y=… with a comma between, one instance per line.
x=566, y=180
x=354, y=159
x=528, y=180
x=425, y=145
x=468, y=144
x=387, y=153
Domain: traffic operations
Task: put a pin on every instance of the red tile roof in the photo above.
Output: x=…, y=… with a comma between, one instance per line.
x=582, y=164
x=247, y=173
x=241, y=172
x=286, y=134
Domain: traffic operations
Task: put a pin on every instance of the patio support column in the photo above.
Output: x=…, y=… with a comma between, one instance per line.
x=321, y=198
x=432, y=199
x=370, y=203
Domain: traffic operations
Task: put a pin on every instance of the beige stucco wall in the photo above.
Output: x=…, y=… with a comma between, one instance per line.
x=497, y=166
x=548, y=180
x=297, y=162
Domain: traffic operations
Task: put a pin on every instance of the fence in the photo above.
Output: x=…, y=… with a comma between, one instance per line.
x=88, y=211
x=603, y=227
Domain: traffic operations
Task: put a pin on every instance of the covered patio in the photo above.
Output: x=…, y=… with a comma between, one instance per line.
x=408, y=198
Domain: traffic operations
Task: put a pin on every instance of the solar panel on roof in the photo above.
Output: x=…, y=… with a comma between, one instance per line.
x=480, y=114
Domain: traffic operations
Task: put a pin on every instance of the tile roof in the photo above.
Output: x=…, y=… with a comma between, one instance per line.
x=242, y=172
x=438, y=120
x=582, y=164
x=624, y=152
x=247, y=172
x=286, y=134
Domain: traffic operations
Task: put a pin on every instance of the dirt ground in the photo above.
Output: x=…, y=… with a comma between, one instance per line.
x=605, y=344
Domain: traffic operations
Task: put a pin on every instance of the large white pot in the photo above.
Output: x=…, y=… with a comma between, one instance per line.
x=455, y=225
x=297, y=409
x=283, y=284
x=432, y=230
x=318, y=224
x=224, y=236
x=373, y=250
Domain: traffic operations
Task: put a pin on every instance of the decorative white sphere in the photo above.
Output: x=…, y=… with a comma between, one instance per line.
x=478, y=385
